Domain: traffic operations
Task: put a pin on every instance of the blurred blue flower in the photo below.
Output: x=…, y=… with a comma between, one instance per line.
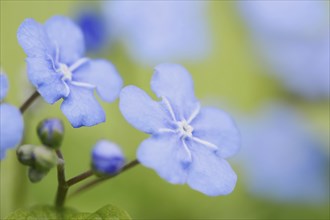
x=107, y=158
x=57, y=68
x=293, y=38
x=11, y=121
x=188, y=144
x=283, y=160
x=93, y=27
x=160, y=31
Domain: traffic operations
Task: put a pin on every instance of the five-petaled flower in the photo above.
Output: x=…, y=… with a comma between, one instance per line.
x=188, y=144
x=11, y=121
x=57, y=68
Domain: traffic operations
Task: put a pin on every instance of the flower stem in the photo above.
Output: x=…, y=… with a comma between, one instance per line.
x=102, y=179
x=29, y=101
x=62, y=188
x=80, y=177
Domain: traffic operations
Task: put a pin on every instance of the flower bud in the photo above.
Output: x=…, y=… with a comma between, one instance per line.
x=25, y=154
x=45, y=158
x=36, y=175
x=107, y=158
x=50, y=132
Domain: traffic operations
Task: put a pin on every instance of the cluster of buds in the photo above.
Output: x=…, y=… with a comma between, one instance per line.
x=41, y=159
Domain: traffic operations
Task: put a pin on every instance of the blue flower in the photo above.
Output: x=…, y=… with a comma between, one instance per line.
x=93, y=27
x=57, y=68
x=11, y=121
x=293, y=38
x=283, y=160
x=158, y=31
x=188, y=144
x=107, y=158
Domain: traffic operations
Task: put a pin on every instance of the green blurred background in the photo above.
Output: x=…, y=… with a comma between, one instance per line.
x=230, y=77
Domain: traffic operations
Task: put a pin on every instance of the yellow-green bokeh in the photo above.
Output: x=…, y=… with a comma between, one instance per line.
x=231, y=78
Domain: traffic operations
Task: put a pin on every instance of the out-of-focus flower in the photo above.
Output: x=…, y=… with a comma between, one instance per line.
x=282, y=160
x=57, y=68
x=158, y=31
x=11, y=121
x=188, y=144
x=293, y=37
x=107, y=158
x=93, y=27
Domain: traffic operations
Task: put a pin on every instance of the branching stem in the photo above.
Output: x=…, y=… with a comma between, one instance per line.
x=102, y=179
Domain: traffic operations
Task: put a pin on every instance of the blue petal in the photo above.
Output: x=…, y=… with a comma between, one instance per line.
x=34, y=40
x=167, y=156
x=67, y=36
x=81, y=107
x=46, y=80
x=3, y=86
x=141, y=111
x=218, y=128
x=209, y=173
x=103, y=75
x=175, y=83
x=11, y=128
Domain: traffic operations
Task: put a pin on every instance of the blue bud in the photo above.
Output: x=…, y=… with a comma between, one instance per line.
x=107, y=158
x=50, y=132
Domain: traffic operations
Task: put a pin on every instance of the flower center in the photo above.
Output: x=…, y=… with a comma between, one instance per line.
x=185, y=129
x=65, y=70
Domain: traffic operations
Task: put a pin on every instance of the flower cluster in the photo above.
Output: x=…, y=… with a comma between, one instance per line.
x=188, y=143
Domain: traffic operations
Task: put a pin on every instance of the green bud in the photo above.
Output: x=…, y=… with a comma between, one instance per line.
x=50, y=132
x=36, y=175
x=45, y=158
x=25, y=154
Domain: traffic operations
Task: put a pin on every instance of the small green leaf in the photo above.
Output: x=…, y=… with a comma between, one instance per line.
x=79, y=216
x=45, y=212
x=42, y=212
x=110, y=212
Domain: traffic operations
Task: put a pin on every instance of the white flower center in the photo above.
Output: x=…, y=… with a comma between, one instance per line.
x=185, y=129
x=65, y=70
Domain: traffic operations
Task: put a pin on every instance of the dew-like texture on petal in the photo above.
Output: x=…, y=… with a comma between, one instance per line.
x=46, y=80
x=81, y=107
x=174, y=82
x=67, y=36
x=3, y=86
x=11, y=127
x=167, y=156
x=103, y=75
x=34, y=40
x=209, y=173
x=141, y=111
x=218, y=128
